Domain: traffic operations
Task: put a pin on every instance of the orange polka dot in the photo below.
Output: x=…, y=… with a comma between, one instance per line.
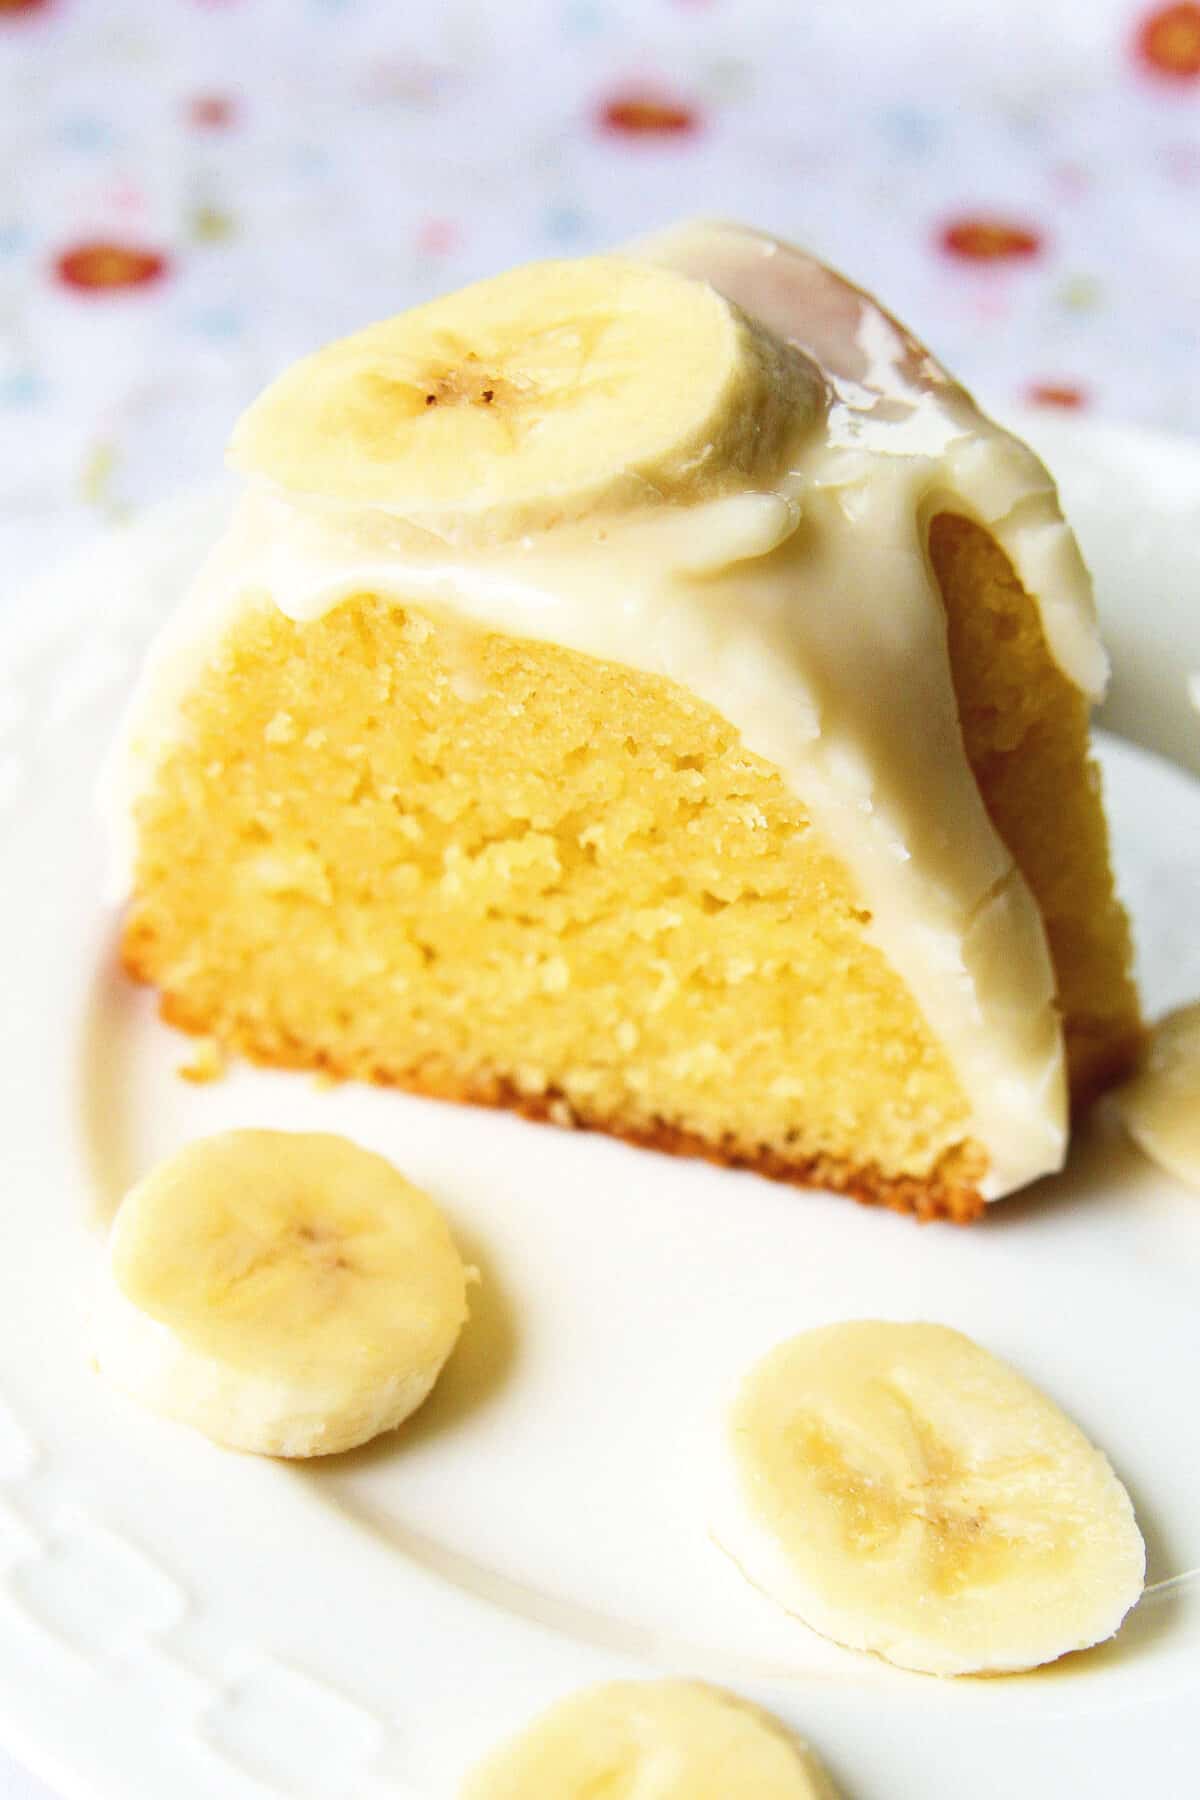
x=21, y=6
x=988, y=239
x=1062, y=394
x=102, y=267
x=212, y=112
x=1168, y=42
x=644, y=114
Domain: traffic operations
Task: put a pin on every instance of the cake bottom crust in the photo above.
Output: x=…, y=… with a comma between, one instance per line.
x=949, y=1192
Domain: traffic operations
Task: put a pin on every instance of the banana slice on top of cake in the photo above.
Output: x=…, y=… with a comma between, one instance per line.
x=646, y=692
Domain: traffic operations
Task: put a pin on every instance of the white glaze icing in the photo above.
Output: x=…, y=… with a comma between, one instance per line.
x=1160, y=1104
x=892, y=398
x=807, y=615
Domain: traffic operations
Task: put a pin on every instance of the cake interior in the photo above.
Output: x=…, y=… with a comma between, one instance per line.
x=496, y=870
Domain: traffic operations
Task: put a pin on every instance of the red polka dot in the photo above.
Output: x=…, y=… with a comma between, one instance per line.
x=1062, y=394
x=104, y=267
x=12, y=9
x=212, y=112
x=985, y=238
x=1167, y=42
x=437, y=237
x=641, y=113
x=1182, y=162
x=990, y=305
x=1071, y=179
x=127, y=196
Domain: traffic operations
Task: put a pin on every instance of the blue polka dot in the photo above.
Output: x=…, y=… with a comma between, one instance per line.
x=310, y=160
x=21, y=388
x=216, y=322
x=582, y=18
x=13, y=239
x=85, y=131
x=910, y=129
x=564, y=224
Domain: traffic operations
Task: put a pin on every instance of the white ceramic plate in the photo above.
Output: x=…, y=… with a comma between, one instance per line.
x=175, y=1620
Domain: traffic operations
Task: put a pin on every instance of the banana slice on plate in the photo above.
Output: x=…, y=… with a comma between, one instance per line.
x=544, y=394
x=901, y=1490
x=284, y=1292
x=651, y=1740
x=1160, y=1105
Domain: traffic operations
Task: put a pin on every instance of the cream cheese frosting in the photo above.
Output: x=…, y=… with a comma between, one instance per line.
x=807, y=615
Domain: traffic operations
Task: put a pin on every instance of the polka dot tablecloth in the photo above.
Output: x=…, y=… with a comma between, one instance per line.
x=192, y=192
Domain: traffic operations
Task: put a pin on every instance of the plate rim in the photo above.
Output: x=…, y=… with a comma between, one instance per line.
x=36, y=635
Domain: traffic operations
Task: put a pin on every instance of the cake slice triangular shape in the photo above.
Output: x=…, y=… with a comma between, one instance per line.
x=647, y=693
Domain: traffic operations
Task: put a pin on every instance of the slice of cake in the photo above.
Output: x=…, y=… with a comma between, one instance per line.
x=645, y=692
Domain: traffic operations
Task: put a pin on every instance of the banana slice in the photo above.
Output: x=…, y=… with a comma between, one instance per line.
x=1160, y=1106
x=284, y=1292
x=650, y=1740
x=544, y=394
x=903, y=1491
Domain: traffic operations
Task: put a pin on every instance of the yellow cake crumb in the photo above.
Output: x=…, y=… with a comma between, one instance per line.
x=207, y=1063
x=566, y=886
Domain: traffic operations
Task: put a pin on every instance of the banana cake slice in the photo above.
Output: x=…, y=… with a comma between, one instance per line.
x=646, y=692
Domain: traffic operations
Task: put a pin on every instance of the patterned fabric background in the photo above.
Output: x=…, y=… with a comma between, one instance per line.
x=194, y=191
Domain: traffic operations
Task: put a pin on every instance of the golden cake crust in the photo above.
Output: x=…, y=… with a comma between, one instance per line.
x=947, y=1193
